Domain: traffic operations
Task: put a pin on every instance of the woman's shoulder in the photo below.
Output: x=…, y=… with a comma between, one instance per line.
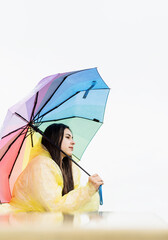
x=41, y=160
x=44, y=162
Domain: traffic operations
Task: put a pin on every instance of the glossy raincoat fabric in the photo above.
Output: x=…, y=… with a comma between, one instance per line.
x=39, y=188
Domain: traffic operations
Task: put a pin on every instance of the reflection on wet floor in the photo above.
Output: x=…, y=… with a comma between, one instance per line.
x=56, y=218
x=93, y=226
x=91, y=220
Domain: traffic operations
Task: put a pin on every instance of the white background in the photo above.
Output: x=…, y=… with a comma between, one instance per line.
x=128, y=42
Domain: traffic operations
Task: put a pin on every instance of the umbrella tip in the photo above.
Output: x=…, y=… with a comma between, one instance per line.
x=96, y=120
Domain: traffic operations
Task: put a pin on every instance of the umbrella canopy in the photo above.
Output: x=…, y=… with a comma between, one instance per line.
x=77, y=99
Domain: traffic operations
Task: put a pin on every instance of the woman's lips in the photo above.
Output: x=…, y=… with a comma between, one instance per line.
x=71, y=148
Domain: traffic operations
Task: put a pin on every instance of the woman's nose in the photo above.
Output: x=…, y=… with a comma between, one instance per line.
x=73, y=143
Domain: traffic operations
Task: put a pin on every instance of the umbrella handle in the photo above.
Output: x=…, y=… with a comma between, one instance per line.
x=100, y=194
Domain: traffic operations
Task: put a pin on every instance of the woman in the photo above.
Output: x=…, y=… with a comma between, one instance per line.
x=51, y=182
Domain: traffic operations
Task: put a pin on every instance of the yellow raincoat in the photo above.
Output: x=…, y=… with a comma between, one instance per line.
x=39, y=188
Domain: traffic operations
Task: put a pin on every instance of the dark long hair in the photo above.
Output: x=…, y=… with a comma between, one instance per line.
x=55, y=133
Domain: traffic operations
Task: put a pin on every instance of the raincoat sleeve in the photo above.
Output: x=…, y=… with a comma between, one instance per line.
x=40, y=186
x=50, y=187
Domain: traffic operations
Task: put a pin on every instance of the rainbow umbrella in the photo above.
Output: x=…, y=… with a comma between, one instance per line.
x=77, y=99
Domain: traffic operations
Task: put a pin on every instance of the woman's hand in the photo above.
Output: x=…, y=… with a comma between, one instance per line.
x=96, y=181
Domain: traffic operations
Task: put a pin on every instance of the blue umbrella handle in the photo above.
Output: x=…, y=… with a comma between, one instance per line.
x=100, y=194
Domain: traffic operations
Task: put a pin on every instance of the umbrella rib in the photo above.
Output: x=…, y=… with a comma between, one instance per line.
x=55, y=92
x=28, y=134
x=13, y=132
x=56, y=106
x=22, y=117
x=55, y=120
x=51, y=96
x=17, y=154
x=35, y=103
x=63, y=103
x=12, y=143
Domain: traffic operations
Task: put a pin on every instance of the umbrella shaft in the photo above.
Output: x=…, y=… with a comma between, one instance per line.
x=39, y=131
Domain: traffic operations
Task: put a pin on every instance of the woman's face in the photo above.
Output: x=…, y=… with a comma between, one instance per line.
x=68, y=143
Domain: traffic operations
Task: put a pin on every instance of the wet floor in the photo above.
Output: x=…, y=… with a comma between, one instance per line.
x=95, y=225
